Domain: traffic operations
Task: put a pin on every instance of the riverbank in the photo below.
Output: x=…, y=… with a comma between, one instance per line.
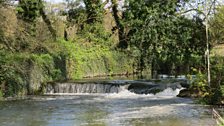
x=27, y=73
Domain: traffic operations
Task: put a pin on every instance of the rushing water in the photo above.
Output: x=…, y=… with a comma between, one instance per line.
x=115, y=109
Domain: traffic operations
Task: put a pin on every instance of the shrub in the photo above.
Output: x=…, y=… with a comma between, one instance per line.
x=217, y=80
x=215, y=93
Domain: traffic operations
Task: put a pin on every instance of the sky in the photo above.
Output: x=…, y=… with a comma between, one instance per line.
x=57, y=1
x=54, y=1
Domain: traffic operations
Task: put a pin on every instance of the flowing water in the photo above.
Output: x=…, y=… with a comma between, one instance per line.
x=113, y=109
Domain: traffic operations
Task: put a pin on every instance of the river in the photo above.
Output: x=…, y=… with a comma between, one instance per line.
x=113, y=109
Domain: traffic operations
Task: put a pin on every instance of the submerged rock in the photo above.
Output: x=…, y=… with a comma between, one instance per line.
x=192, y=93
x=152, y=88
x=187, y=94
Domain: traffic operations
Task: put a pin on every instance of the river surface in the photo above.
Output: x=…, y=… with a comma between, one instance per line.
x=116, y=109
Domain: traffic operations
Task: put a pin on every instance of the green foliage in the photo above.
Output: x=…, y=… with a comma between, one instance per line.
x=96, y=33
x=45, y=62
x=200, y=85
x=77, y=16
x=12, y=74
x=1, y=94
x=158, y=37
x=217, y=96
x=34, y=62
x=216, y=27
x=161, y=36
x=215, y=93
x=94, y=10
x=92, y=59
x=217, y=81
x=28, y=10
x=15, y=73
x=217, y=71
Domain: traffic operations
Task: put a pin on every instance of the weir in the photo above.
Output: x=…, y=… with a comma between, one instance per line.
x=81, y=88
x=115, y=86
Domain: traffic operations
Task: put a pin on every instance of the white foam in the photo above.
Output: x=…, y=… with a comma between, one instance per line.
x=169, y=92
x=124, y=93
x=127, y=94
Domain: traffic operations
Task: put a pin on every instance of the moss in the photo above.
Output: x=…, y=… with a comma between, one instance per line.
x=103, y=64
x=94, y=60
x=24, y=73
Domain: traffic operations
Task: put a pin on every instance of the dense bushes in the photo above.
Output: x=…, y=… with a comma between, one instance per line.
x=217, y=80
x=12, y=73
x=23, y=73
x=91, y=59
x=26, y=73
x=29, y=57
x=213, y=94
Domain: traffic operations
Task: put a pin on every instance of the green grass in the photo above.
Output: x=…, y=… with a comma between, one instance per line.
x=218, y=50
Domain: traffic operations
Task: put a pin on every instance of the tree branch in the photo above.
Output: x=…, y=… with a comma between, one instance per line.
x=47, y=21
x=105, y=3
x=190, y=10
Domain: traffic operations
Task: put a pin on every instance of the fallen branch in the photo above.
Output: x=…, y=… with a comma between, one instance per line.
x=217, y=117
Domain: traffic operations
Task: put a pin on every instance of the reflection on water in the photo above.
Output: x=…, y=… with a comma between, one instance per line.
x=122, y=109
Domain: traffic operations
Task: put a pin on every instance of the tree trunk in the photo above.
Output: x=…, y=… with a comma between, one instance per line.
x=207, y=43
x=121, y=34
x=154, y=65
x=47, y=21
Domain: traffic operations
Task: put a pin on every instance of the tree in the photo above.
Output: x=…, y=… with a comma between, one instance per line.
x=76, y=14
x=162, y=36
x=30, y=10
x=47, y=20
x=204, y=8
x=119, y=25
x=198, y=8
x=94, y=10
x=143, y=18
x=216, y=26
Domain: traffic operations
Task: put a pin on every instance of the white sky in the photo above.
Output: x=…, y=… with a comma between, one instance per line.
x=54, y=1
x=57, y=1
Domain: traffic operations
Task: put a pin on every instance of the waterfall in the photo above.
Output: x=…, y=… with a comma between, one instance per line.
x=118, y=87
x=81, y=88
